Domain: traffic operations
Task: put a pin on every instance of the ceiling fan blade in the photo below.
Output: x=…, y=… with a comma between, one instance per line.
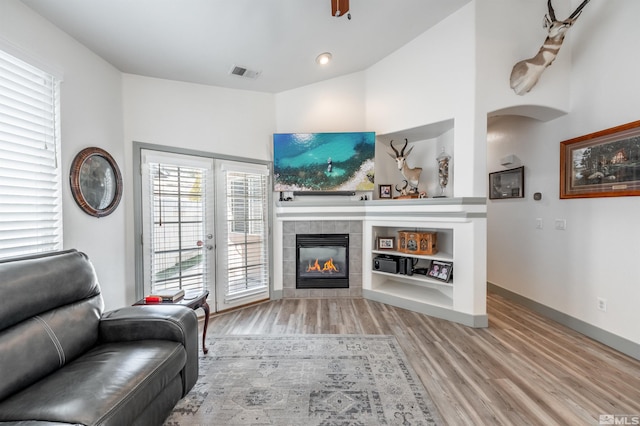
x=339, y=7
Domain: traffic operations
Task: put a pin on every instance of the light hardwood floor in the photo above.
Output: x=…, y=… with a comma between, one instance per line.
x=522, y=370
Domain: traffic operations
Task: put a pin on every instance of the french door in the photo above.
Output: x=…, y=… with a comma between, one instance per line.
x=191, y=242
x=178, y=221
x=243, y=234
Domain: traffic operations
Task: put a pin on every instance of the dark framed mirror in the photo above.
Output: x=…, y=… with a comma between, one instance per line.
x=96, y=182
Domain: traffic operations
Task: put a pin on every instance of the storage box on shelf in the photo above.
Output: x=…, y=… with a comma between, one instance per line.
x=418, y=242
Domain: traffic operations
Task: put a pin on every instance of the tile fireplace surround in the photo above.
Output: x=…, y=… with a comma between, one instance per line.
x=289, y=231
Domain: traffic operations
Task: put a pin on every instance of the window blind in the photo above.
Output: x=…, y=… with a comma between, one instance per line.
x=30, y=179
x=246, y=228
x=178, y=247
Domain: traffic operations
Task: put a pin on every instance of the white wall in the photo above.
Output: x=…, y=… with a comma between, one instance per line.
x=509, y=31
x=335, y=105
x=597, y=255
x=91, y=115
x=215, y=120
x=431, y=80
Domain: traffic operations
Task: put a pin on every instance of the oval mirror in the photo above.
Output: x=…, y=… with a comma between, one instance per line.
x=96, y=182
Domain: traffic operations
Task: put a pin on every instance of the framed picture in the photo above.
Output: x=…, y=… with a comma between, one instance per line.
x=601, y=164
x=440, y=270
x=384, y=191
x=386, y=243
x=507, y=184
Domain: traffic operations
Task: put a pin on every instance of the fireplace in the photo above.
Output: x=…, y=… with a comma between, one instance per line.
x=322, y=261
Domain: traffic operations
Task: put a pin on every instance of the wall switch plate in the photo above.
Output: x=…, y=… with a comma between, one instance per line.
x=539, y=223
x=561, y=224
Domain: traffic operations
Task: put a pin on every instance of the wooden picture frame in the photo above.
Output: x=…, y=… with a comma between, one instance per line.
x=601, y=164
x=385, y=192
x=386, y=243
x=440, y=270
x=506, y=184
x=96, y=182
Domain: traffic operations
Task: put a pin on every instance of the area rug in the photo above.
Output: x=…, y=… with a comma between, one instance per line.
x=305, y=380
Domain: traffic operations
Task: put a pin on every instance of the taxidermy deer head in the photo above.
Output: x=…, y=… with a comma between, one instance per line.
x=412, y=175
x=525, y=74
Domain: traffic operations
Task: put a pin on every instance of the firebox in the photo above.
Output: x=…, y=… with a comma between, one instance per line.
x=322, y=261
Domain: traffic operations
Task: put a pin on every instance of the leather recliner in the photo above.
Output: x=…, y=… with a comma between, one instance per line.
x=64, y=361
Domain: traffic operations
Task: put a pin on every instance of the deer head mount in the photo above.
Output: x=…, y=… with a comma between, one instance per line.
x=525, y=74
x=411, y=175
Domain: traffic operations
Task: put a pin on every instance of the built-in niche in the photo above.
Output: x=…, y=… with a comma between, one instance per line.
x=428, y=142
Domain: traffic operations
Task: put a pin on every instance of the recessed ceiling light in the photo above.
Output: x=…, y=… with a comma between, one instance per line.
x=324, y=58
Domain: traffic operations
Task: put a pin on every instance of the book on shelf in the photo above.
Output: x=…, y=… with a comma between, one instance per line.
x=165, y=296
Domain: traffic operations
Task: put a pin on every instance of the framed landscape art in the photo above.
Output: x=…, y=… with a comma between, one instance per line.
x=601, y=164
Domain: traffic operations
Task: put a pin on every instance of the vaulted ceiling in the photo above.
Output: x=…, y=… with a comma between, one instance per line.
x=200, y=41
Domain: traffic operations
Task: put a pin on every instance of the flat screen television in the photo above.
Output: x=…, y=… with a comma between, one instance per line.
x=323, y=162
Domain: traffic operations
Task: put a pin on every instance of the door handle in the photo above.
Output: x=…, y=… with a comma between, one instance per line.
x=201, y=243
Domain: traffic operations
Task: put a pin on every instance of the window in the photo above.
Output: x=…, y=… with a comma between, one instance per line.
x=244, y=228
x=30, y=178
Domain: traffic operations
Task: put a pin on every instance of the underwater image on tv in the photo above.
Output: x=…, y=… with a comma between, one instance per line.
x=323, y=161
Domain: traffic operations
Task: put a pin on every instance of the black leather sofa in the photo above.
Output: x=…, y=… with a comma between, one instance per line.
x=64, y=361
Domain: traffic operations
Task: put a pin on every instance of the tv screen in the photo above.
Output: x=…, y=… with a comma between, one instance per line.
x=323, y=161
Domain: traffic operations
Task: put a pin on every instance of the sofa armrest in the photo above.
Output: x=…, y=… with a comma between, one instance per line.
x=175, y=323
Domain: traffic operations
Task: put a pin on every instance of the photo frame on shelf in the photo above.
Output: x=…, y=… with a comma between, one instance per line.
x=386, y=243
x=385, y=191
x=440, y=270
x=601, y=164
x=507, y=184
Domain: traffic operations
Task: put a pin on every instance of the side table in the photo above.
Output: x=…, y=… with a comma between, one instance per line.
x=193, y=301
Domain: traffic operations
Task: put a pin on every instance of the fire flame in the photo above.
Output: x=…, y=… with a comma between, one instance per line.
x=328, y=266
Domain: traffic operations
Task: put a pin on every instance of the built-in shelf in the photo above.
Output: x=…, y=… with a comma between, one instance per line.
x=447, y=257
x=416, y=278
x=413, y=292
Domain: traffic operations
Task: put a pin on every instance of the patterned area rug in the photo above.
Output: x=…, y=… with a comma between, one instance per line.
x=305, y=380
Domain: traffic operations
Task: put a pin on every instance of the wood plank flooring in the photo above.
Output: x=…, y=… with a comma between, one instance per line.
x=522, y=370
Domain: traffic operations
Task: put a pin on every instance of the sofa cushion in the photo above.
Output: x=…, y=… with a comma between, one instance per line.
x=40, y=345
x=40, y=283
x=110, y=385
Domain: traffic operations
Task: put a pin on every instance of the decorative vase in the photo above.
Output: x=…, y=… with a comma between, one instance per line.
x=443, y=172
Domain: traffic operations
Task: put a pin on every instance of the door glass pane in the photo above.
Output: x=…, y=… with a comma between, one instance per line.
x=178, y=243
x=244, y=235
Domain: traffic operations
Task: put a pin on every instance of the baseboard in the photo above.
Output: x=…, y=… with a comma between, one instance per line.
x=618, y=343
x=476, y=321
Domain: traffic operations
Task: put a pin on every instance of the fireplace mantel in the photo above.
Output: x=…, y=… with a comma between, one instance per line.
x=356, y=209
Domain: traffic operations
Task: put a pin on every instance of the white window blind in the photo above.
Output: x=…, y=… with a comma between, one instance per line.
x=246, y=229
x=30, y=178
x=178, y=217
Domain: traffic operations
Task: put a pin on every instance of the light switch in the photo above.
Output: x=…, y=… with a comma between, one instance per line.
x=539, y=223
x=561, y=224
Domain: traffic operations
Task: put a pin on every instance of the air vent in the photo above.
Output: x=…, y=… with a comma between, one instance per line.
x=244, y=72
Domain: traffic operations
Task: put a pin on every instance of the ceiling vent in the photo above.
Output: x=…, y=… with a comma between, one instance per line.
x=244, y=72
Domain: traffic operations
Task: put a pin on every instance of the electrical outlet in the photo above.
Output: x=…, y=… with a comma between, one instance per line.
x=602, y=304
